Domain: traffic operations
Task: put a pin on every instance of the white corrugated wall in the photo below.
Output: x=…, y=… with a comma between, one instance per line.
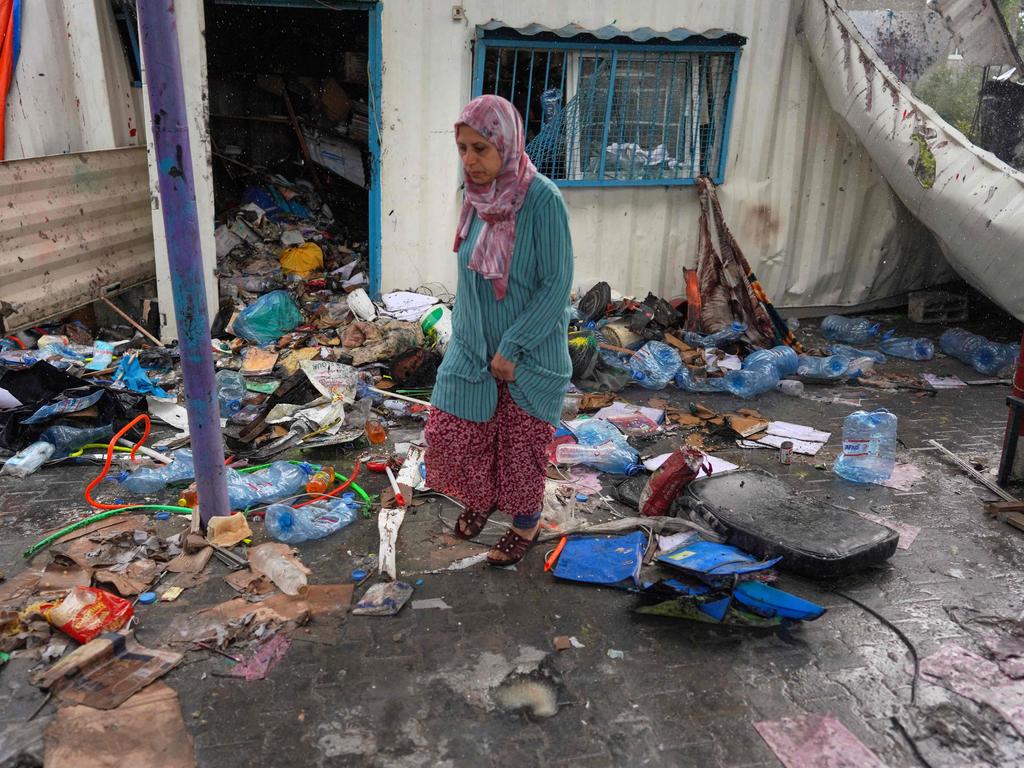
x=816, y=220
x=71, y=90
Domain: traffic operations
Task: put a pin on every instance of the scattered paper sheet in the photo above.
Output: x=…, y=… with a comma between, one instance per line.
x=620, y=409
x=169, y=412
x=7, y=400
x=797, y=432
x=332, y=379
x=774, y=441
x=977, y=679
x=718, y=466
x=943, y=382
x=388, y=523
x=407, y=306
x=816, y=741
x=904, y=476
x=430, y=602
x=258, y=361
x=906, y=531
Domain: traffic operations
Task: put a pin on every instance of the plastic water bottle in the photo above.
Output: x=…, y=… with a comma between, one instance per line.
x=28, y=460
x=685, y=379
x=852, y=330
x=230, y=392
x=987, y=357
x=859, y=367
x=550, y=104
x=908, y=348
x=823, y=367
x=852, y=353
x=278, y=481
x=598, y=431
x=728, y=334
x=752, y=381
x=314, y=521
x=608, y=457
x=782, y=357
x=283, y=571
x=67, y=439
x=654, y=365
x=869, y=447
x=150, y=480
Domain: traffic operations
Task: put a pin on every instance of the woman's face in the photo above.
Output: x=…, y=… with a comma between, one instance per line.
x=480, y=158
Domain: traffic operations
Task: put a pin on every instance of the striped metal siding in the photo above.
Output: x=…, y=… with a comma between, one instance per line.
x=71, y=227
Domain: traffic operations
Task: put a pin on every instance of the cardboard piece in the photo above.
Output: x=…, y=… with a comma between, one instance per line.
x=192, y=562
x=257, y=361
x=249, y=583
x=147, y=729
x=135, y=578
x=63, y=573
x=228, y=530
x=106, y=671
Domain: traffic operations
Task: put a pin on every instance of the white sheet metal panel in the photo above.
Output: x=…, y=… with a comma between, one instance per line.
x=815, y=217
x=70, y=227
x=979, y=31
x=975, y=207
x=71, y=90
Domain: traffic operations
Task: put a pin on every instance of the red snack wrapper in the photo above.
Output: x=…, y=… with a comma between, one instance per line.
x=87, y=612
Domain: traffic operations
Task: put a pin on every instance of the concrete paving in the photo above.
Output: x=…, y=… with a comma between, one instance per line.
x=418, y=689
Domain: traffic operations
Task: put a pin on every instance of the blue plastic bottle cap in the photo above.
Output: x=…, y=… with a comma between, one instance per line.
x=147, y=597
x=419, y=582
x=358, y=575
x=581, y=497
x=163, y=515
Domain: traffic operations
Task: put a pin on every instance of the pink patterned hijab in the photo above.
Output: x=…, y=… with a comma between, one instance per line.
x=498, y=202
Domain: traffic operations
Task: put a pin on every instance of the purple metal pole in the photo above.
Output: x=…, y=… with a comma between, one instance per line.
x=162, y=70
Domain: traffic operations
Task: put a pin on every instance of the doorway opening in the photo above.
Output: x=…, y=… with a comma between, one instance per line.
x=292, y=100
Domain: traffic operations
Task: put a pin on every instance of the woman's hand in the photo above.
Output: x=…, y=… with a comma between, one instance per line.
x=503, y=369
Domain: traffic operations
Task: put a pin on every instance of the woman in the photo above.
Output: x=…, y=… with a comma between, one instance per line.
x=500, y=388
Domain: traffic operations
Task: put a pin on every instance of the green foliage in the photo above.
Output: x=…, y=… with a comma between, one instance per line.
x=952, y=91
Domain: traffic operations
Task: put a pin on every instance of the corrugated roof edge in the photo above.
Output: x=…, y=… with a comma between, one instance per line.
x=610, y=33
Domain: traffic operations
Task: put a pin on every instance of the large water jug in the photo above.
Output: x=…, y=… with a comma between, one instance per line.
x=655, y=365
x=987, y=357
x=869, y=447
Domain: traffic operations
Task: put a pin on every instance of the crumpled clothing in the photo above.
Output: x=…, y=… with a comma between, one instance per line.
x=380, y=340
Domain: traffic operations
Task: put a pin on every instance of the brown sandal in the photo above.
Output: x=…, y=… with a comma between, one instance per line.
x=513, y=545
x=470, y=523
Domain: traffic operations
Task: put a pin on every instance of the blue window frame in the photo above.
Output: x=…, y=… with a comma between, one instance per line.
x=126, y=17
x=616, y=113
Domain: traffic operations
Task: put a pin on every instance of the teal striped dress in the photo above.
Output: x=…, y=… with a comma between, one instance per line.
x=527, y=327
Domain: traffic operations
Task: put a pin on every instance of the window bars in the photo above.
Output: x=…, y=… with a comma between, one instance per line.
x=616, y=114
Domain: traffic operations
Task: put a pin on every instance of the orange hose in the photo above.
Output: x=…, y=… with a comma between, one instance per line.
x=110, y=457
x=334, y=491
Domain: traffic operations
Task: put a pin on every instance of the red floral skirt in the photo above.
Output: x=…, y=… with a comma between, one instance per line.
x=498, y=464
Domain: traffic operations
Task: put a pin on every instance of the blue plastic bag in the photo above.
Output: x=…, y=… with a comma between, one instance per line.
x=611, y=560
x=268, y=318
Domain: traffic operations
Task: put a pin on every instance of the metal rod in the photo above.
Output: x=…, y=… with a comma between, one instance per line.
x=980, y=478
x=158, y=24
x=130, y=321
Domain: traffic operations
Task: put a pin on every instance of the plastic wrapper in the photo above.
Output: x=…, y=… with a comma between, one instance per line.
x=268, y=318
x=87, y=612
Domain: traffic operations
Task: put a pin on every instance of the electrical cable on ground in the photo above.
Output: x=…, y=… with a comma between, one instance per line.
x=899, y=633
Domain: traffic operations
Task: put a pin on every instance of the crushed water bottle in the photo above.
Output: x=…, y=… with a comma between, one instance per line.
x=728, y=334
x=869, y=447
x=685, y=379
x=598, y=431
x=908, y=348
x=987, y=357
x=752, y=381
x=285, y=572
x=313, y=521
x=654, y=365
x=28, y=460
x=150, y=480
x=823, y=367
x=278, y=481
x=230, y=392
x=67, y=439
x=852, y=330
x=790, y=387
x=608, y=457
x=852, y=353
x=782, y=357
